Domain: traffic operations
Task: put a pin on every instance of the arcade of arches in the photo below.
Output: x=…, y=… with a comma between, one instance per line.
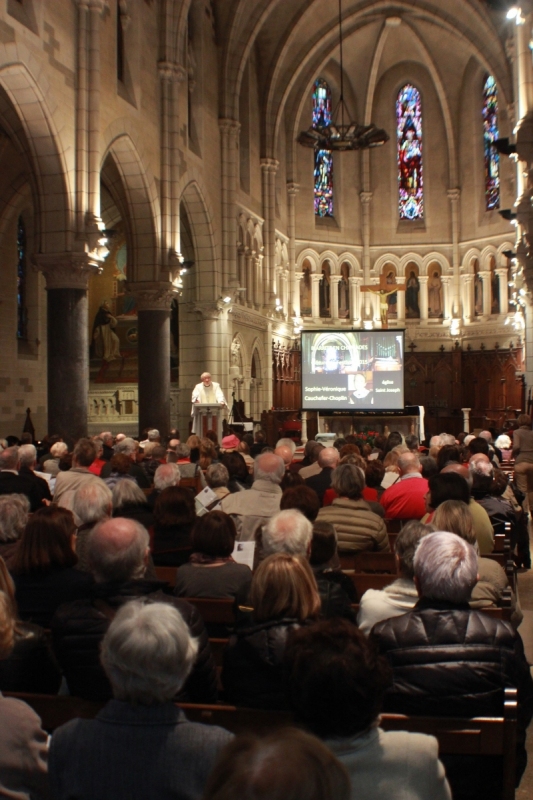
x=158, y=217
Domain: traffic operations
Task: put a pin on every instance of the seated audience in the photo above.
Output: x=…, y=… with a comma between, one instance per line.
x=448, y=454
x=14, y=511
x=92, y=503
x=68, y=482
x=328, y=458
x=27, y=469
x=11, y=482
x=130, y=501
x=174, y=517
x=208, y=454
x=429, y=467
x=153, y=460
x=44, y=566
x=312, y=467
x=99, y=461
x=130, y=448
x=451, y=660
x=287, y=532
x=358, y=528
x=239, y=476
x=285, y=452
x=118, y=553
x=140, y=745
x=336, y=682
x=482, y=524
x=336, y=590
x=401, y=595
x=445, y=486
x=283, y=596
x=288, y=764
x=30, y=666
x=107, y=440
x=405, y=498
x=499, y=510
x=120, y=470
x=211, y=571
x=166, y=475
x=50, y=462
x=302, y=498
x=217, y=478
x=251, y=509
x=291, y=479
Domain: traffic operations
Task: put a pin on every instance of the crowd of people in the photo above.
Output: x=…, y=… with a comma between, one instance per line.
x=84, y=531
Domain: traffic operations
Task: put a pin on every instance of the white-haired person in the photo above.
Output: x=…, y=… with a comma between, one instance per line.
x=130, y=501
x=251, y=509
x=140, y=745
x=166, y=475
x=91, y=504
x=14, y=513
x=129, y=447
x=450, y=660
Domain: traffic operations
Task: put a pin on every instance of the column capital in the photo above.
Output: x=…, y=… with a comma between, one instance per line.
x=366, y=197
x=208, y=310
x=269, y=165
x=446, y=279
x=298, y=275
x=355, y=280
x=501, y=271
x=453, y=195
x=66, y=270
x=423, y=279
x=153, y=296
x=230, y=127
x=96, y=5
x=316, y=277
x=335, y=278
x=292, y=188
x=171, y=71
x=467, y=278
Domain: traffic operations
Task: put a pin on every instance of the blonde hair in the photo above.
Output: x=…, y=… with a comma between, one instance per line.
x=454, y=516
x=193, y=441
x=284, y=586
x=7, y=626
x=7, y=584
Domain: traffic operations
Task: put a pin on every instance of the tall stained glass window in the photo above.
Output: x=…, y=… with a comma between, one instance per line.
x=22, y=321
x=323, y=173
x=409, y=150
x=490, y=134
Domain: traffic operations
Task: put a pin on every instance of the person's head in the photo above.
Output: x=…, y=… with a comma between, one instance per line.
x=120, y=464
x=447, y=486
x=205, y=377
x=284, y=586
x=154, y=435
x=436, y=441
x=374, y=472
x=406, y=543
x=487, y=435
x=409, y=463
x=348, y=481
x=394, y=439
x=323, y=543
x=9, y=458
x=499, y=483
x=455, y=516
x=524, y=421
x=412, y=442
x=359, y=381
x=478, y=445
x=269, y=467
x=236, y=466
x=445, y=568
x=107, y=438
x=339, y=443
x=207, y=450
x=459, y=469
x=14, y=511
x=98, y=443
x=448, y=453
x=127, y=493
x=328, y=457
x=27, y=455
x=314, y=450
x=59, y=449
x=429, y=466
x=287, y=764
x=84, y=453
x=183, y=451
x=147, y=653
x=93, y=501
x=482, y=474
x=174, y=506
x=166, y=475
x=117, y=550
x=349, y=450
x=259, y=437
x=127, y=446
x=291, y=479
x=285, y=453
x=214, y=535
x=216, y=475
x=47, y=542
x=336, y=679
x=7, y=626
x=302, y=498
x=287, y=532
x=287, y=442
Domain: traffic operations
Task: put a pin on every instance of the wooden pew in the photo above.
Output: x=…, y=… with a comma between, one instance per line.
x=216, y=611
x=394, y=525
x=366, y=561
x=167, y=574
x=364, y=580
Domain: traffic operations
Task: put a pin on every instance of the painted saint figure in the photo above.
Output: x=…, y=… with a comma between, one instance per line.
x=392, y=299
x=478, y=295
x=105, y=342
x=324, y=289
x=412, y=292
x=435, y=295
x=344, y=305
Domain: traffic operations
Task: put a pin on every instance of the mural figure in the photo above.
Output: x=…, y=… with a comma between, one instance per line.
x=344, y=303
x=324, y=293
x=435, y=295
x=412, y=293
x=478, y=295
x=495, y=289
x=392, y=299
x=105, y=342
x=305, y=293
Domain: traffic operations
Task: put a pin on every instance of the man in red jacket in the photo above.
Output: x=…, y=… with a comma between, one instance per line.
x=405, y=499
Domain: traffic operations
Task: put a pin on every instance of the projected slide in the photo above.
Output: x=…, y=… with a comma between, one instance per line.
x=352, y=370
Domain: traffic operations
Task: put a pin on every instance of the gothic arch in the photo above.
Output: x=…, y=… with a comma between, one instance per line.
x=468, y=258
x=486, y=253
x=353, y=261
x=329, y=255
x=411, y=258
x=206, y=272
x=388, y=258
x=311, y=255
x=440, y=259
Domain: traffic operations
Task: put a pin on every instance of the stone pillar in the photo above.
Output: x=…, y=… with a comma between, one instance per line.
x=96, y=7
x=296, y=294
x=446, y=280
x=304, y=427
x=423, y=280
x=229, y=137
x=466, y=419
x=82, y=165
x=170, y=74
x=258, y=282
x=250, y=278
x=294, y=301
x=454, y=196
x=400, y=307
x=241, y=277
x=355, y=300
x=153, y=302
x=269, y=168
x=285, y=291
x=487, y=292
x=334, y=295
x=503, y=279
x=366, y=199
x=315, y=296
x=468, y=297
x=67, y=277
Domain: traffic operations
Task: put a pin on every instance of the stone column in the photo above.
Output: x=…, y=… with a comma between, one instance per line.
x=487, y=292
x=229, y=137
x=153, y=300
x=315, y=296
x=503, y=278
x=366, y=199
x=446, y=279
x=294, y=302
x=468, y=297
x=250, y=278
x=304, y=427
x=269, y=168
x=334, y=295
x=400, y=306
x=285, y=291
x=355, y=300
x=170, y=74
x=258, y=282
x=454, y=196
x=296, y=294
x=67, y=277
x=241, y=260
x=466, y=419
x=423, y=280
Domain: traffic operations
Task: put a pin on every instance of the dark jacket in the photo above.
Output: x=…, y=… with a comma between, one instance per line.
x=449, y=660
x=8, y=551
x=78, y=628
x=38, y=596
x=498, y=509
x=39, y=483
x=319, y=483
x=19, y=484
x=140, y=512
x=30, y=667
x=135, y=470
x=171, y=544
x=337, y=593
x=252, y=675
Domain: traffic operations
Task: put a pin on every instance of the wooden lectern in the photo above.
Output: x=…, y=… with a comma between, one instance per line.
x=207, y=416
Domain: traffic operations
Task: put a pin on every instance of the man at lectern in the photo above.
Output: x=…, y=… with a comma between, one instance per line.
x=208, y=391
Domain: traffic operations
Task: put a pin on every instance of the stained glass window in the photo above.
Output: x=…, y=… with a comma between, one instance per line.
x=22, y=321
x=490, y=134
x=323, y=172
x=409, y=149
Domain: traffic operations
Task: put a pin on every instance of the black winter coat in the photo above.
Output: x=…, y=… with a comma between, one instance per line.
x=79, y=627
x=30, y=667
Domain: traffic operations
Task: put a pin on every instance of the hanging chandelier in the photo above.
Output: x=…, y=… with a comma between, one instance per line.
x=341, y=135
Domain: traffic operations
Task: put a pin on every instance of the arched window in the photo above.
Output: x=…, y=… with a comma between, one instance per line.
x=22, y=316
x=490, y=134
x=409, y=153
x=323, y=173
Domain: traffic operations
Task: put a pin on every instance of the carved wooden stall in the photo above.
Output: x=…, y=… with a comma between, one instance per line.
x=286, y=376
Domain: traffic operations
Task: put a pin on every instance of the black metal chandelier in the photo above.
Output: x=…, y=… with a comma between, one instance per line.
x=340, y=135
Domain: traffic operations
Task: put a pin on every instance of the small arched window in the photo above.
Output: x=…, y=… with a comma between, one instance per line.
x=409, y=153
x=490, y=134
x=323, y=170
x=22, y=313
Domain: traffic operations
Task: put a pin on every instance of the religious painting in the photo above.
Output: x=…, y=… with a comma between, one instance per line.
x=324, y=291
x=409, y=153
x=389, y=274
x=306, y=298
x=435, y=291
x=478, y=289
x=490, y=134
x=412, y=292
x=323, y=168
x=494, y=288
x=344, y=291
x=113, y=329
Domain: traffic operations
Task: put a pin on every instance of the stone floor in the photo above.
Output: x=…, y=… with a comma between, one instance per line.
x=525, y=593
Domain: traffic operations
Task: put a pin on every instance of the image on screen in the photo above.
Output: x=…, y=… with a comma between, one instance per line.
x=352, y=370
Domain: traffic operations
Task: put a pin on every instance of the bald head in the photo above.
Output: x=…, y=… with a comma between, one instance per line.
x=118, y=550
x=464, y=472
x=408, y=463
x=269, y=467
x=284, y=452
x=329, y=457
x=477, y=457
